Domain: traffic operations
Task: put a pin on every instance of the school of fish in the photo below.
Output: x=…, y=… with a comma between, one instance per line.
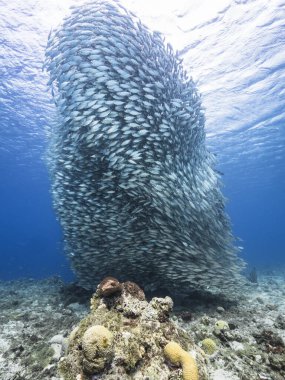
x=133, y=184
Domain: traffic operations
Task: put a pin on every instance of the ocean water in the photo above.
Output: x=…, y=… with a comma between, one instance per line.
x=235, y=52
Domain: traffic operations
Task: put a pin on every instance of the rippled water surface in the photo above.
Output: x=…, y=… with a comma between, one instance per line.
x=235, y=52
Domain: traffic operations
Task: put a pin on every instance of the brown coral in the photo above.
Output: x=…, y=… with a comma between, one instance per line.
x=134, y=290
x=109, y=286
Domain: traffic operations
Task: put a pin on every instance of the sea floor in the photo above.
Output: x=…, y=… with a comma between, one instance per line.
x=37, y=316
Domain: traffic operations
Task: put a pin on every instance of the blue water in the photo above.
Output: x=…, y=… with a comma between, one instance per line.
x=233, y=51
x=31, y=240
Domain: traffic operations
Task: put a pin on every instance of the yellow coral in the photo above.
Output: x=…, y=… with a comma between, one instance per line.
x=96, y=338
x=176, y=355
x=209, y=346
x=96, y=348
x=221, y=326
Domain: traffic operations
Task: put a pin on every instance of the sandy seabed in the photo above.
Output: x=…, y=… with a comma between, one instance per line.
x=37, y=316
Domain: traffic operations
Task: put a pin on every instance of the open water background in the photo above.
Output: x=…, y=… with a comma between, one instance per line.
x=235, y=51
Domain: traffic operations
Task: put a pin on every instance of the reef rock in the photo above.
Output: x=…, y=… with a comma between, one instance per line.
x=124, y=337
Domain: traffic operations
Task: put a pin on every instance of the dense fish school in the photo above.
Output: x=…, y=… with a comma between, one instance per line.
x=133, y=184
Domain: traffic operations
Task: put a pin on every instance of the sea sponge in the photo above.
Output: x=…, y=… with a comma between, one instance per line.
x=96, y=348
x=209, y=346
x=176, y=355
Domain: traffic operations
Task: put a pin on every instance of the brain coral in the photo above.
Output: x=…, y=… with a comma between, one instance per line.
x=176, y=355
x=209, y=346
x=221, y=326
x=96, y=343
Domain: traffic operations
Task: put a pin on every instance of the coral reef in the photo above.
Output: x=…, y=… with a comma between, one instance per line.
x=125, y=337
x=37, y=317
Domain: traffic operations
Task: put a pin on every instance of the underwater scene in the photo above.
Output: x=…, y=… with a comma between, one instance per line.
x=142, y=192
